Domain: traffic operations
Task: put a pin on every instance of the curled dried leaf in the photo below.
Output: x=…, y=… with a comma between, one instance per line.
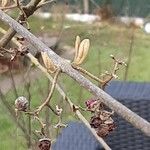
x=48, y=63
x=5, y=2
x=82, y=52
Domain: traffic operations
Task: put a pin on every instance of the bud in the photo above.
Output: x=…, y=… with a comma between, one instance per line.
x=21, y=103
x=44, y=144
x=82, y=49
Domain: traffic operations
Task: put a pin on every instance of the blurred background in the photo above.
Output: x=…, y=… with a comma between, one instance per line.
x=121, y=28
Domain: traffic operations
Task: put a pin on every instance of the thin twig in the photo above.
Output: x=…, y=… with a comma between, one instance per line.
x=29, y=117
x=45, y=3
x=8, y=7
x=87, y=73
x=131, y=42
x=46, y=102
x=52, y=109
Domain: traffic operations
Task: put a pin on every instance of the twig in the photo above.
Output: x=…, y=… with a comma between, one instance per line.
x=53, y=110
x=45, y=3
x=29, y=117
x=46, y=102
x=8, y=7
x=13, y=82
x=113, y=73
x=87, y=73
x=129, y=54
x=47, y=113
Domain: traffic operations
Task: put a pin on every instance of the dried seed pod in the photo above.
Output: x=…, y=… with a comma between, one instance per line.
x=109, y=121
x=44, y=144
x=105, y=115
x=95, y=122
x=21, y=103
x=77, y=44
x=82, y=52
x=90, y=103
x=103, y=130
x=48, y=63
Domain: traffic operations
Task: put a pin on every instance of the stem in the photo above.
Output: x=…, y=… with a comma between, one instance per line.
x=46, y=102
x=129, y=55
x=87, y=73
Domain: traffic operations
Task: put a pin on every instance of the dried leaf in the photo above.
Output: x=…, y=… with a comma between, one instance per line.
x=82, y=52
x=5, y=2
x=48, y=63
x=77, y=44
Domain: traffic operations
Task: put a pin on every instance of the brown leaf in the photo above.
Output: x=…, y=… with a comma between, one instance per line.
x=82, y=52
x=48, y=63
x=5, y=2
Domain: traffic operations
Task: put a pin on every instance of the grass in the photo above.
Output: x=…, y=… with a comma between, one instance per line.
x=105, y=39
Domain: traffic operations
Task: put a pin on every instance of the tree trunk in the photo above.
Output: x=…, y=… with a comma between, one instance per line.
x=86, y=6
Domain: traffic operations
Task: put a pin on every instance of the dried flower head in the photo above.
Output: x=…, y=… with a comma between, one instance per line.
x=81, y=50
x=90, y=103
x=95, y=122
x=105, y=129
x=21, y=103
x=44, y=144
x=48, y=63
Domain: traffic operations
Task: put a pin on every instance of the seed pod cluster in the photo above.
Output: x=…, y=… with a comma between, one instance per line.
x=101, y=121
x=48, y=63
x=81, y=50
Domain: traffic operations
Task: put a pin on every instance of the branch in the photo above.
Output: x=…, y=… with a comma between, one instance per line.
x=120, y=109
x=28, y=10
x=44, y=3
x=46, y=102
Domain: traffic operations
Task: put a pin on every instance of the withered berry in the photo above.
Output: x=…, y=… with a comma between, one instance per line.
x=21, y=103
x=44, y=144
x=95, y=122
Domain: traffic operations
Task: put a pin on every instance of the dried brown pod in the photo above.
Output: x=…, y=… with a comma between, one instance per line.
x=77, y=44
x=5, y=2
x=48, y=63
x=44, y=144
x=95, y=122
x=82, y=52
x=21, y=103
x=103, y=130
